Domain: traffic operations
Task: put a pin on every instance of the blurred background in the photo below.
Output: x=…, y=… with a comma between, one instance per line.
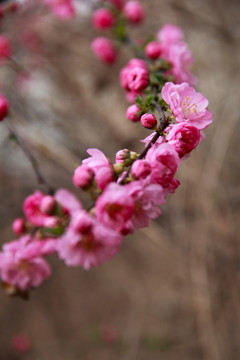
x=173, y=291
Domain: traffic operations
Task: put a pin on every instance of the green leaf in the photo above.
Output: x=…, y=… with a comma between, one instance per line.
x=139, y=101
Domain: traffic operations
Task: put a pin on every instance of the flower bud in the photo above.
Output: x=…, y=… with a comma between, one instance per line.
x=138, y=79
x=104, y=49
x=134, y=11
x=133, y=113
x=47, y=204
x=103, y=19
x=149, y=121
x=82, y=177
x=118, y=168
x=122, y=155
x=133, y=155
x=141, y=169
x=153, y=50
x=18, y=226
x=3, y=107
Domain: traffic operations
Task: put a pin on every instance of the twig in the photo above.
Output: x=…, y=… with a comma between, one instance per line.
x=41, y=179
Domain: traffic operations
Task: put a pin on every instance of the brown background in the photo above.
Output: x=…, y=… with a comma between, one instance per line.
x=173, y=291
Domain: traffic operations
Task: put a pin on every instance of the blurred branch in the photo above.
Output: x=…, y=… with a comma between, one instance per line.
x=41, y=179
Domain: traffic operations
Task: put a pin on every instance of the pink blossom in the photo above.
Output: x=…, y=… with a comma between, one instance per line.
x=176, y=51
x=63, y=9
x=181, y=59
x=21, y=268
x=18, y=226
x=138, y=79
x=146, y=202
x=68, y=201
x=104, y=49
x=87, y=243
x=122, y=155
x=134, y=11
x=149, y=121
x=101, y=167
x=123, y=76
x=3, y=107
x=83, y=176
x=170, y=34
x=133, y=113
x=164, y=161
x=187, y=105
x=140, y=169
x=40, y=212
x=114, y=207
x=153, y=50
x=103, y=19
x=184, y=137
x=31, y=208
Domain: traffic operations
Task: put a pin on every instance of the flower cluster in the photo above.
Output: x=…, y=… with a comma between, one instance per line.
x=128, y=193
x=114, y=15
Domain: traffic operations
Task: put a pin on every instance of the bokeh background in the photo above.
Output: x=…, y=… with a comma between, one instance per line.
x=173, y=291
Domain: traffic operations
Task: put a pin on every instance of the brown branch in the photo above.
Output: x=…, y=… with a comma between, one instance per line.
x=41, y=179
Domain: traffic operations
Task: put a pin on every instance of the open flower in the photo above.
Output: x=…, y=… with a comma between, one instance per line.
x=87, y=243
x=187, y=105
x=114, y=208
x=21, y=265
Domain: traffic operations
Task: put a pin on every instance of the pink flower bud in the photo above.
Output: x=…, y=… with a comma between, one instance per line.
x=104, y=49
x=134, y=11
x=141, y=169
x=103, y=19
x=18, y=226
x=5, y=49
x=133, y=113
x=3, y=107
x=149, y=121
x=153, y=50
x=122, y=155
x=82, y=177
x=47, y=204
x=138, y=79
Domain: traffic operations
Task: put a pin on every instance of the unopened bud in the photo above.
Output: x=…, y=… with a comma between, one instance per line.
x=149, y=121
x=18, y=226
x=82, y=177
